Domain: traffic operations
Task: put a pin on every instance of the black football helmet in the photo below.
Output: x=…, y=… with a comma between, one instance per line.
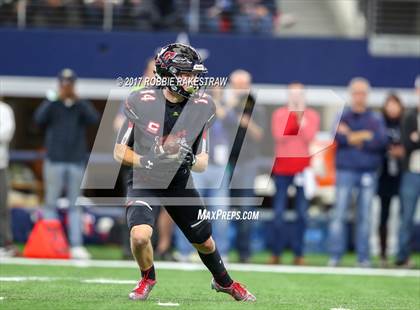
x=176, y=58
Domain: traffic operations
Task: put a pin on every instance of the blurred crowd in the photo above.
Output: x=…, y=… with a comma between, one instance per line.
x=377, y=153
x=256, y=16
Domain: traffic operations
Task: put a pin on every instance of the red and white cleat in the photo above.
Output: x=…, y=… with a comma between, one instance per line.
x=236, y=290
x=142, y=290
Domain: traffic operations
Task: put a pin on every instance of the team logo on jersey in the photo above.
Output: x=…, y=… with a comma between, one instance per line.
x=153, y=127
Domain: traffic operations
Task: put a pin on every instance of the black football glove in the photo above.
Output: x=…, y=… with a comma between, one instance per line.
x=155, y=157
x=186, y=156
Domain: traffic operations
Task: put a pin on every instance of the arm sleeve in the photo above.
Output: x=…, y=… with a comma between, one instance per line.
x=90, y=115
x=126, y=134
x=379, y=139
x=130, y=110
x=310, y=127
x=203, y=142
x=204, y=138
x=43, y=113
x=7, y=124
x=278, y=121
x=340, y=138
x=212, y=115
x=407, y=128
x=260, y=117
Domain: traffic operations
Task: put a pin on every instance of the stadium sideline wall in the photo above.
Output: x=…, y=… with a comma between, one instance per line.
x=96, y=54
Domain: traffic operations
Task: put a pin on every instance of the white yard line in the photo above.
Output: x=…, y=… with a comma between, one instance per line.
x=233, y=267
x=52, y=279
x=88, y=281
x=108, y=281
x=24, y=279
x=168, y=304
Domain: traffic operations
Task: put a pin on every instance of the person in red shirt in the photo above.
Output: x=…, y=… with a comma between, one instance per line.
x=293, y=127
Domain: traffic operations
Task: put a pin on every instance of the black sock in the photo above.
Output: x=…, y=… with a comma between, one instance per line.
x=214, y=263
x=149, y=273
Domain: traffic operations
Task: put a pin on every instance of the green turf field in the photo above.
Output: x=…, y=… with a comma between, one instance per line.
x=111, y=252
x=66, y=288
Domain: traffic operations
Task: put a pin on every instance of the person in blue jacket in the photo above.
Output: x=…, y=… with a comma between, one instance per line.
x=65, y=120
x=361, y=140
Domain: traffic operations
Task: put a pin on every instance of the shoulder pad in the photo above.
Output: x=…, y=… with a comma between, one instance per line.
x=131, y=106
x=201, y=99
x=137, y=99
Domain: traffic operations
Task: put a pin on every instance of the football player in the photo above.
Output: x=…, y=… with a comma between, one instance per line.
x=163, y=139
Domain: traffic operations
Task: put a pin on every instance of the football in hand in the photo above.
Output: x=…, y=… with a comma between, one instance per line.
x=170, y=145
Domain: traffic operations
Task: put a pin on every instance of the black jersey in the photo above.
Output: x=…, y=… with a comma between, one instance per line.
x=151, y=117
